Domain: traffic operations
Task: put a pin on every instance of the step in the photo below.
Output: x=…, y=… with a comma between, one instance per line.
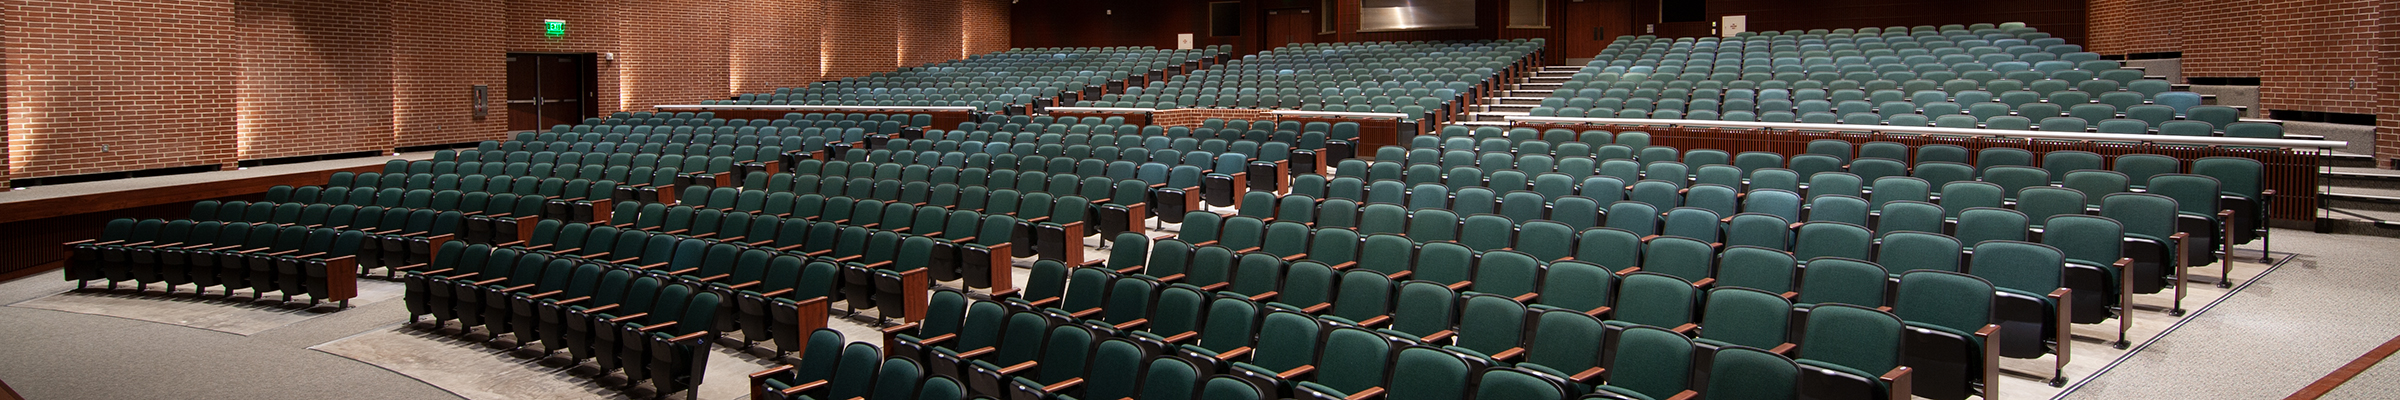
x=1514, y=100
x=1562, y=68
x=2347, y=221
x=1511, y=108
x=1535, y=93
x=2356, y=198
x=2347, y=159
x=1548, y=79
x=1534, y=85
x=1493, y=116
x=2370, y=178
x=1502, y=124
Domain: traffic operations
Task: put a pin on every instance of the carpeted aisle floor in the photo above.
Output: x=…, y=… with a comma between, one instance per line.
x=2332, y=303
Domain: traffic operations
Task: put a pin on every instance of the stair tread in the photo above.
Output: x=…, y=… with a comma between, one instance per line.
x=2389, y=195
x=2364, y=172
x=2362, y=214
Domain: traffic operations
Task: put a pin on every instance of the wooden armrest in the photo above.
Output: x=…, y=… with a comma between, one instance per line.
x=744, y=285
x=1296, y=372
x=280, y=253
x=1686, y=329
x=1295, y=257
x=689, y=336
x=969, y=354
x=1171, y=278
x=626, y=318
x=517, y=288
x=488, y=282
x=597, y=310
x=1204, y=244
x=573, y=300
x=1086, y=313
x=1237, y=352
x=1897, y=379
x=1370, y=393
x=1460, y=285
x=1704, y=283
x=652, y=266
x=1345, y=266
x=776, y=293
x=1686, y=394
x=1129, y=325
x=1589, y=376
x=789, y=248
x=1063, y=385
x=770, y=372
x=657, y=326
x=1319, y=308
x=1183, y=337
x=1378, y=320
x=683, y=271
x=1511, y=354
x=1043, y=303
x=1402, y=275
x=1439, y=336
x=1527, y=298
x=1264, y=296
x=805, y=387
x=713, y=279
x=1020, y=367
x=946, y=337
x=1216, y=286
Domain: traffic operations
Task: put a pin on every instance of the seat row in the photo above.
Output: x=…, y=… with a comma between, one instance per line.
x=263, y=257
x=1224, y=342
x=656, y=327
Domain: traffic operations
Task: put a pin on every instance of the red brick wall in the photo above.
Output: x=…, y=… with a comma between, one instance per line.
x=2327, y=44
x=2150, y=26
x=2387, y=116
x=152, y=79
x=672, y=52
x=441, y=49
x=2230, y=31
x=986, y=26
x=178, y=83
x=774, y=44
x=861, y=37
x=316, y=77
x=929, y=30
x=2323, y=46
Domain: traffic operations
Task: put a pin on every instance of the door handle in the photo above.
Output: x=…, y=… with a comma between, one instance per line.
x=521, y=102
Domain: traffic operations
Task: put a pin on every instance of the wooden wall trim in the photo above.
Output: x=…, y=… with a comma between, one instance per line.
x=157, y=195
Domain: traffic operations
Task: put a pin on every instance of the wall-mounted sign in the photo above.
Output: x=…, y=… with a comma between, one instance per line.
x=554, y=27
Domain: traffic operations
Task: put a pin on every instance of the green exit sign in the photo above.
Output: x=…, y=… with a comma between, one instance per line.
x=554, y=27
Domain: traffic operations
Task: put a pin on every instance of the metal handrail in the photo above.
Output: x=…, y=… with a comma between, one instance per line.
x=765, y=107
x=1103, y=109
x=1978, y=133
x=1339, y=114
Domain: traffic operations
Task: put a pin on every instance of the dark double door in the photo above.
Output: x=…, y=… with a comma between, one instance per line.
x=550, y=89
